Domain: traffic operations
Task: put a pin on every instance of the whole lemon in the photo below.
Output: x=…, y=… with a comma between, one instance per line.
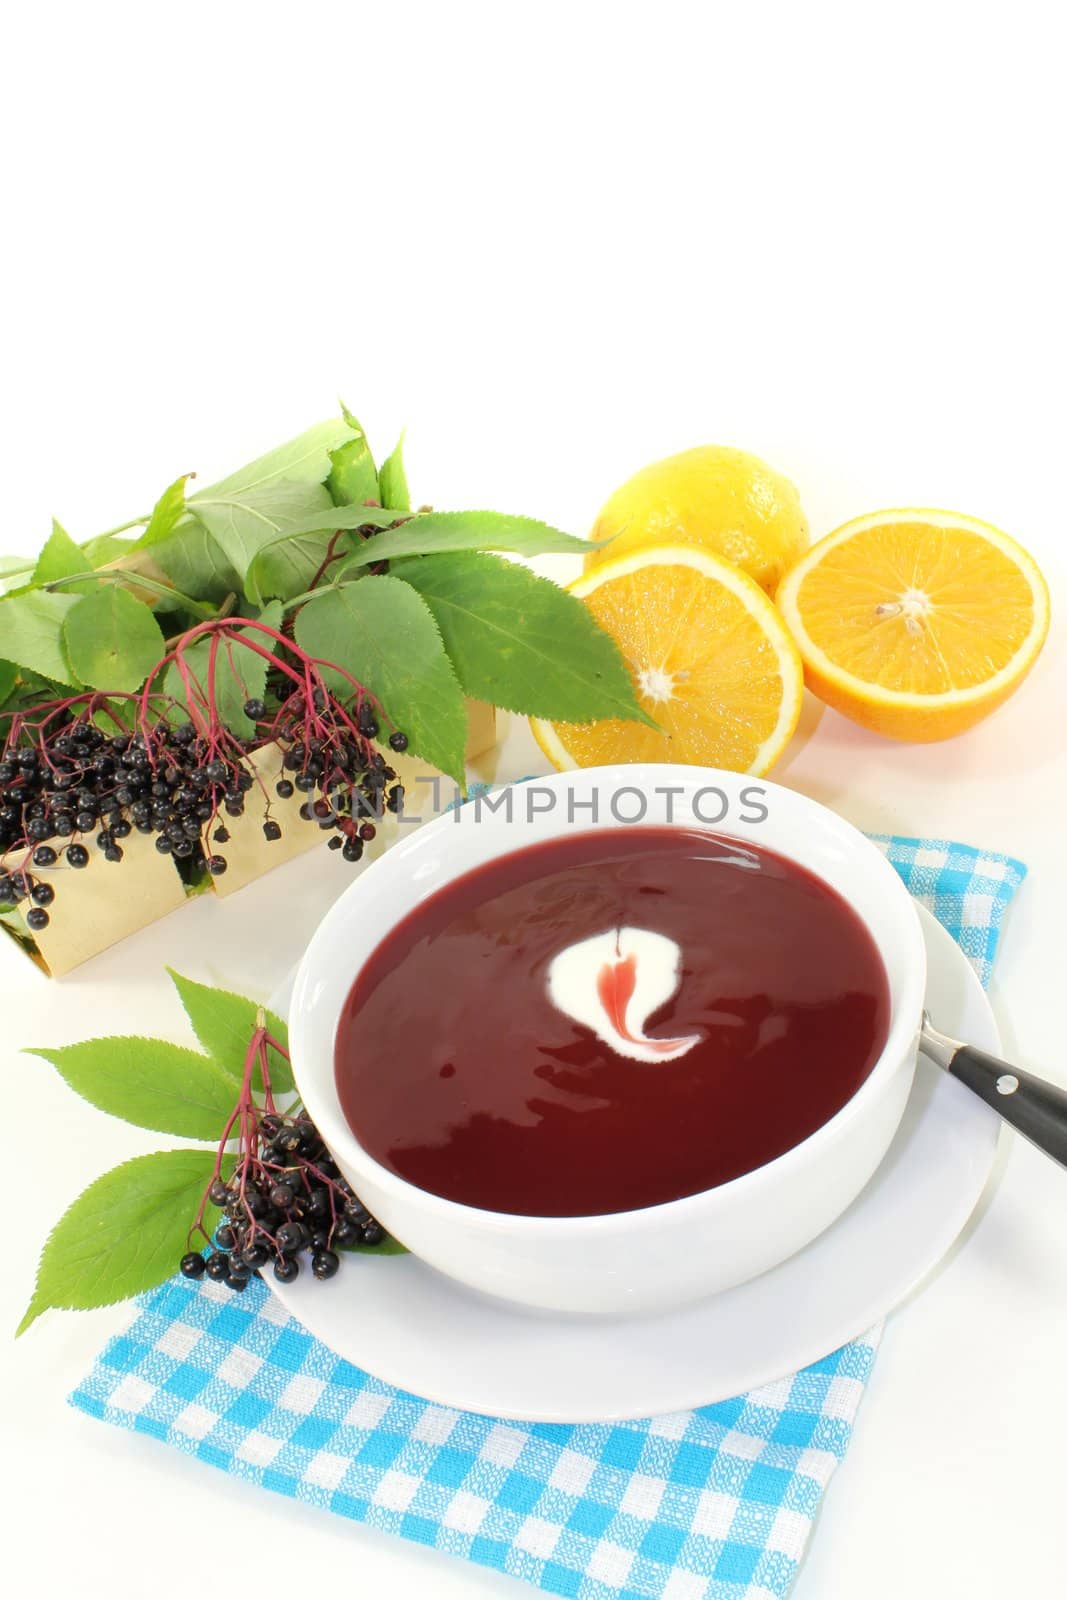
x=723, y=500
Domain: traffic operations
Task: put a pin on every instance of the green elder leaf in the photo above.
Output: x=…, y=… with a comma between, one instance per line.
x=31, y=633
x=7, y=680
x=240, y=675
x=392, y=480
x=15, y=572
x=194, y=562
x=353, y=477
x=113, y=640
x=289, y=567
x=123, y=1235
x=149, y=1082
x=305, y=459
x=521, y=641
x=435, y=532
x=382, y=633
x=243, y=521
x=167, y=512
x=348, y=517
x=224, y=1024
x=62, y=558
x=106, y=547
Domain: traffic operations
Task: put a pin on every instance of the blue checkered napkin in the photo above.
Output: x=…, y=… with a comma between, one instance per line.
x=714, y=1504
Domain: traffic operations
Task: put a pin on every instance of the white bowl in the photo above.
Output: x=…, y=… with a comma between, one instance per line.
x=665, y=1255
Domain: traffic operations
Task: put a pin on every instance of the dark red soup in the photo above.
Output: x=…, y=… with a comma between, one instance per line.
x=609, y=1020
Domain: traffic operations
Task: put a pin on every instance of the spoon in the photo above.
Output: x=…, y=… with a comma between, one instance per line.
x=1036, y=1108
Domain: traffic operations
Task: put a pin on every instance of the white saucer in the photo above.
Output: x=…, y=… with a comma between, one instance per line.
x=411, y=1327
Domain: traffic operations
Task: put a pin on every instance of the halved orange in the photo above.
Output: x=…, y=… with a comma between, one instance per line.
x=710, y=659
x=916, y=623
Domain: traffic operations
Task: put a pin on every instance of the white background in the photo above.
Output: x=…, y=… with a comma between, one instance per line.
x=555, y=241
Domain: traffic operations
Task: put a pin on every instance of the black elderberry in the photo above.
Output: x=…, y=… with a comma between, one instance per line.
x=192, y=1265
x=217, y=1266
x=289, y=1140
x=282, y=1196
x=283, y=788
x=113, y=853
x=271, y=830
x=396, y=795
x=163, y=845
x=44, y=856
x=39, y=828
x=304, y=782
x=346, y=1232
x=398, y=741
x=220, y=1193
x=271, y=1125
x=292, y=1236
x=373, y=1233
x=324, y=1263
x=353, y=849
x=335, y=843
x=286, y=1269
x=77, y=855
x=63, y=823
x=225, y=1237
x=120, y=828
x=37, y=919
x=356, y=1211
x=367, y=831
x=222, y=835
x=255, y=1256
x=255, y=710
x=42, y=894
x=318, y=1204
x=216, y=865
x=216, y=772
x=237, y=1281
x=320, y=1239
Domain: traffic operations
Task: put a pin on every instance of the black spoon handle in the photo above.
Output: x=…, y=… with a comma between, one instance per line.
x=1035, y=1107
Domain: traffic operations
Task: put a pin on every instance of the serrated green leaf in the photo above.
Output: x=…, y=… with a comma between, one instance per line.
x=106, y=547
x=392, y=480
x=353, y=477
x=167, y=512
x=305, y=459
x=348, y=517
x=244, y=522
x=521, y=641
x=15, y=572
x=126, y=1233
x=195, y=563
x=382, y=633
x=149, y=1082
x=31, y=633
x=113, y=640
x=224, y=1024
x=240, y=675
x=62, y=558
x=289, y=567
x=437, y=532
x=7, y=680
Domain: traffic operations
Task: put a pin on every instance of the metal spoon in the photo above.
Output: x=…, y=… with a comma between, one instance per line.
x=1038, y=1109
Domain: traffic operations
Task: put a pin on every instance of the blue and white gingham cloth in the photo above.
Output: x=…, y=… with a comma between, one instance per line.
x=713, y=1504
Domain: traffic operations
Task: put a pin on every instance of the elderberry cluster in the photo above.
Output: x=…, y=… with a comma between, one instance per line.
x=345, y=781
x=286, y=1199
x=179, y=784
